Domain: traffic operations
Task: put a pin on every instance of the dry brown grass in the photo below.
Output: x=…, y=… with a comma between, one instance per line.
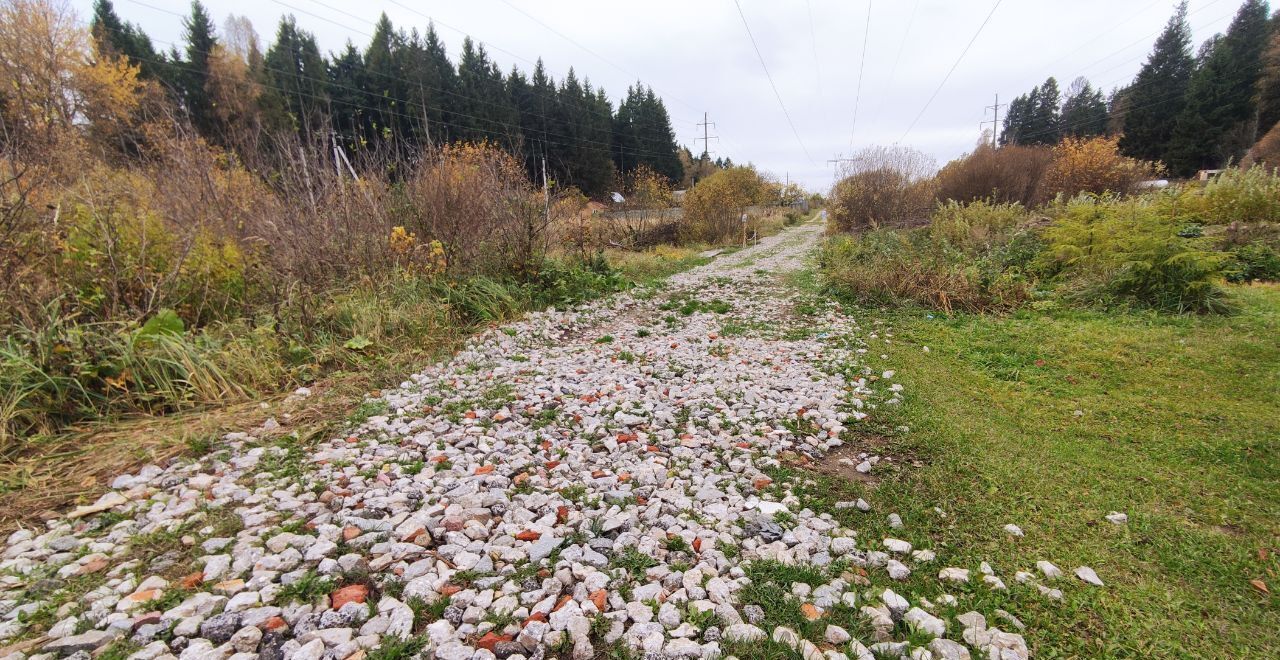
x=77, y=466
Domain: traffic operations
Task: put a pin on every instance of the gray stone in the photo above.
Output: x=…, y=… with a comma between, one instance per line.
x=219, y=628
x=86, y=641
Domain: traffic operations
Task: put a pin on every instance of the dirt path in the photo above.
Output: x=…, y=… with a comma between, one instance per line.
x=578, y=481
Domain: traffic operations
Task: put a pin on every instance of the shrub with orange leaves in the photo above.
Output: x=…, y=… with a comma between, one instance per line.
x=1094, y=165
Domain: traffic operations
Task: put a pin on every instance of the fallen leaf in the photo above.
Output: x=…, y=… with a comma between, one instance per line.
x=1260, y=586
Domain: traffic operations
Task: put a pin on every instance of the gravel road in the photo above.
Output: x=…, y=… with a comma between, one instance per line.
x=566, y=485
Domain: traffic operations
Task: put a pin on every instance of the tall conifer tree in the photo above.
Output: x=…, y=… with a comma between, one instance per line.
x=1156, y=97
x=1218, y=121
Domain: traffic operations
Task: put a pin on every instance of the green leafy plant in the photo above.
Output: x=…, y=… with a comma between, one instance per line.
x=1126, y=250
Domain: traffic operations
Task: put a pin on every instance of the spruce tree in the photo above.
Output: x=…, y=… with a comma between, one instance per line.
x=384, y=87
x=115, y=37
x=1218, y=121
x=1044, y=127
x=1156, y=97
x=486, y=112
x=1019, y=123
x=299, y=75
x=347, y=97
x=596, y=172
x=445, y=79
x=521, y=94
x=1269, y=84
x=540, y=121
x=624, y=140
x=429, y=81
x=200, y=39
x=1084, y=113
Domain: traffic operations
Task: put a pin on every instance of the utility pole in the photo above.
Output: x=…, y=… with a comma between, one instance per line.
x=995, y=121
x=835, y=167
x=706, y=137
x=546, y=191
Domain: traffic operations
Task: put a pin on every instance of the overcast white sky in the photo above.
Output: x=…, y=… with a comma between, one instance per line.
x=697, y=56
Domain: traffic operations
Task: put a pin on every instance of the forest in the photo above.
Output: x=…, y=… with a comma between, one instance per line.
x=1207, y=109
x=401, y=91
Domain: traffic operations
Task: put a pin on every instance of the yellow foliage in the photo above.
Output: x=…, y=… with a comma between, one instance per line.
x=1094, y=165
x=414, y=258
x=649, y=190
x=52, y=83
x=713, y=208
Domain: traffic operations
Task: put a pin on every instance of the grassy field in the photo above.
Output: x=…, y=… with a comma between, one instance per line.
x=1052, y=420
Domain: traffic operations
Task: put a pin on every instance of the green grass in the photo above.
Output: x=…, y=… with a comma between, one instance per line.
x=633, y=561
x=652, y=266
x=305, y=589
x=1177, y=425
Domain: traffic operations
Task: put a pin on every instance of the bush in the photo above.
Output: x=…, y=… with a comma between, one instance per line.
x=1254, y=262
x=1242, y=195
x=1093, y=165
x=1266, y=152
x=883, y=187
x=1113, y=250
x=1010, y=174
x=120, y=259
x=714, y=207
x=477, y=201
x=978, y=227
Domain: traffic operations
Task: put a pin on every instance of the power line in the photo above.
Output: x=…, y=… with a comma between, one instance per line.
x=1140, y=86
x=431, y=21
x=813, y=46
x=1135, y=86
x=862, y=65
x=902, y=46
x=1114, y=26
x=1085, y=122
x=651, y=141
x=771, y=84
x=1138, y=57
x=951, y=70
x=1143, y=40
x=459, y=31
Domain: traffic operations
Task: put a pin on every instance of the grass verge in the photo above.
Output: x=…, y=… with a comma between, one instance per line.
x=1050, y=421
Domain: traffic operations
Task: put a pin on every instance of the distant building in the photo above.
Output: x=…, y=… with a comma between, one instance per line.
x=1205, y=175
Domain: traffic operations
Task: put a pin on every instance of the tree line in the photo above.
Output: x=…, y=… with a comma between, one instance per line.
x=401, y=92
x=1188, y=110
